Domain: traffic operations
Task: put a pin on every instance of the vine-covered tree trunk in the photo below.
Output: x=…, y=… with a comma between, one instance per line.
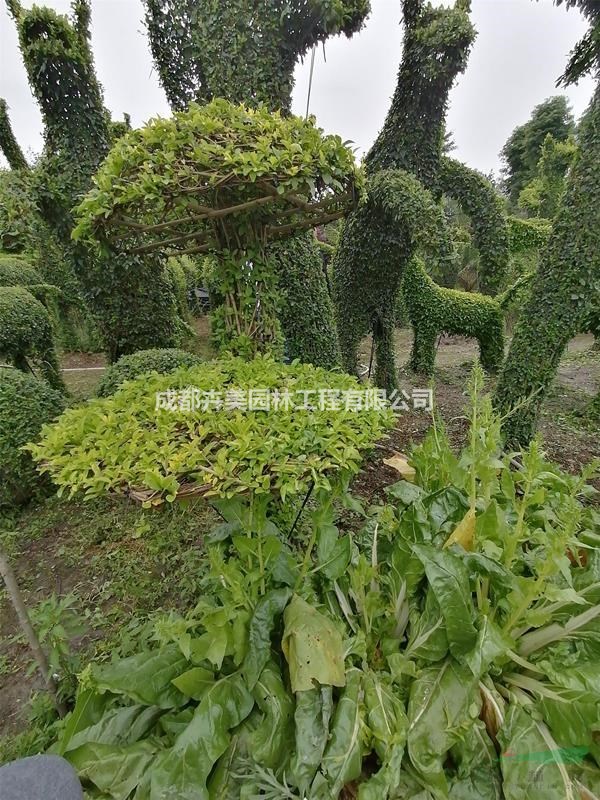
x=131, y=298
x=566, y=284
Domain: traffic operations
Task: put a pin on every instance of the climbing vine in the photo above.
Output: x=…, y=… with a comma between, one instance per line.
x=263, y=42
x=564, y=291
x=8, y=142
x=78, y=132
x=478, y=198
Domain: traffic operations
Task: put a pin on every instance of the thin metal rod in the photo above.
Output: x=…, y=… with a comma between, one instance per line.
x=310, y=79
x=304, y=502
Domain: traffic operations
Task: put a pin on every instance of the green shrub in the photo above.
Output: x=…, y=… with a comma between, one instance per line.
x=129, y=367
x=124, y=442
x=26, y=403
x=17, y=271
x=26, y=333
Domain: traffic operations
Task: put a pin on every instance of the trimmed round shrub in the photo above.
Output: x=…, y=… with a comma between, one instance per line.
x=224, y=428
x=129, y=367
x=26, y=334
x=26, y=403
x=16, y=271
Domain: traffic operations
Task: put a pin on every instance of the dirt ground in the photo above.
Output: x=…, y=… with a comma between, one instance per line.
x=96, y=552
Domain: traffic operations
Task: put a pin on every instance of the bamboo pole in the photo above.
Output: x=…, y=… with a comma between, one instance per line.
x=18, y=604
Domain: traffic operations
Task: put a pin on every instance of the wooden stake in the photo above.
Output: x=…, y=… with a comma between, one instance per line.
x=18, y=604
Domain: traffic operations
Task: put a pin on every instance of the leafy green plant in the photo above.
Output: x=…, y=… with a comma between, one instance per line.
x=57, y=622
x=26, y=334
x=462, y=622
x=125, y=444
x=256, y=176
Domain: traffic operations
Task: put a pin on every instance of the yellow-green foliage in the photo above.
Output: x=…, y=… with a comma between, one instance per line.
x=142, y=363
x=434, y=310
x=111, y=444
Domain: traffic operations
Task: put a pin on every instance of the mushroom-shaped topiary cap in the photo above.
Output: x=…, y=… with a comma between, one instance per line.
x=218, y=176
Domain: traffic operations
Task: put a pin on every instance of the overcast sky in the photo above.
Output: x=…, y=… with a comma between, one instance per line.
x=520, y=50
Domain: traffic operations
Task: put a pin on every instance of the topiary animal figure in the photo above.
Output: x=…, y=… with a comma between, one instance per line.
x=26, y=404
x=434, y=310
x=26, y=334
x=375, y=248
x=145, y=361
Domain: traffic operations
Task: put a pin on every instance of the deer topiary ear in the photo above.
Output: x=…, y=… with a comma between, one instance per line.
x=81, y=18
x=14, y=8
x=411, y=11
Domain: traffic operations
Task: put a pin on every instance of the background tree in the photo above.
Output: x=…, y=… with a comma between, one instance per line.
x=542, y=195
x=522, y=151
x=566, y=287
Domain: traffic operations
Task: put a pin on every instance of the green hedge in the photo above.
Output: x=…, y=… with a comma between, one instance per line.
x=17, y=271
x=26, y=403
x=129, y=367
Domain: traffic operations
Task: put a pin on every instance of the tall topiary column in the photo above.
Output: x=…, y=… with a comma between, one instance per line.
x=58, y=59
x=567, y=281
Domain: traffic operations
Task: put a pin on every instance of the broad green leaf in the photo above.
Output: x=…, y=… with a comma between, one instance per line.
x=88, y=709
x=311, y=721
x=183, y=771
x=449, y=579
x=478, y=771
x=270, y=742
x=442, y=704
x=427, y=640
x=342, y=760
x=145, y=677
x=262, y=625
x=388, y=726
x=194, y=682
x=533, y=768
x=119, y=726
x=113, y=769
x=492, y=645
x=312, y=646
